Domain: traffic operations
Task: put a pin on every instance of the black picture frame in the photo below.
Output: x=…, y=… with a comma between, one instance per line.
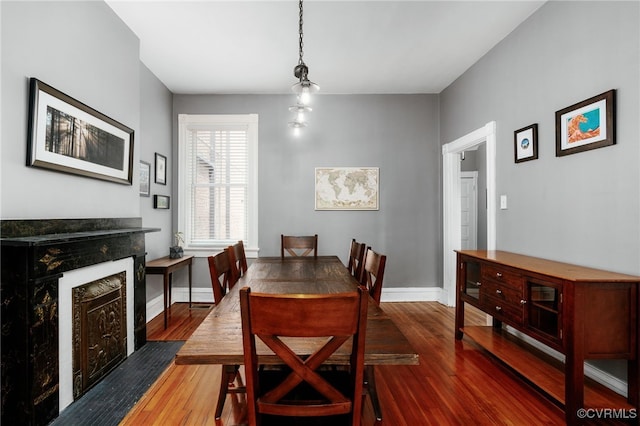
x=161, y=202
x=145, y=179
x=587, y=125
x=161, y=169
x=68, y=136
x=525, y=143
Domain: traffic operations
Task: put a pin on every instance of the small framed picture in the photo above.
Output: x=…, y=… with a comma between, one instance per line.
x=161, y=201
x=525, y=143
x=161, y=169
x=587, y=125
x=145, y=178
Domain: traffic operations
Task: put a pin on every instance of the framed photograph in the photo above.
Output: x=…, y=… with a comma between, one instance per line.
x=161, y=201
x=145, y=178
x=525, y=143
x=161, y=169
x=346, y=188
x=68, y=136
x=587, y=125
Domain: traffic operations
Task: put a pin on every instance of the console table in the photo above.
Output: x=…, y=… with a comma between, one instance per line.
x=165, y=266
x=581, y=312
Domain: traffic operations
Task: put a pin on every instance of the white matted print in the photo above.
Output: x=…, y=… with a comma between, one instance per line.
x=347, y=188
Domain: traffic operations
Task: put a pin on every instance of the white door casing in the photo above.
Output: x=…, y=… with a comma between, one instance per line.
x=451, y=200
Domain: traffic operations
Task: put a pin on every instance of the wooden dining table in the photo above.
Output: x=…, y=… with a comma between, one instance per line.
x=218, y=339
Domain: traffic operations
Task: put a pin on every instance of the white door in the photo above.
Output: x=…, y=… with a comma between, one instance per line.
x=469, y=212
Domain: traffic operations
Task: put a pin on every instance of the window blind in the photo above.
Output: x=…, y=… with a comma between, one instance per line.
x=218, y=166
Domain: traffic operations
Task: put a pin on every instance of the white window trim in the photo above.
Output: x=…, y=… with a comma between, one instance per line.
x=186, y=120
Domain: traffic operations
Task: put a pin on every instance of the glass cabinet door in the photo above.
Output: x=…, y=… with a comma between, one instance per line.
x=544, y=308
x=472, y=280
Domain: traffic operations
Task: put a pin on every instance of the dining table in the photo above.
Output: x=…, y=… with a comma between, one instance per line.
x=218, y=339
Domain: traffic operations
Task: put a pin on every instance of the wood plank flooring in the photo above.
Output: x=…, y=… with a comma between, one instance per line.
x=456, y=382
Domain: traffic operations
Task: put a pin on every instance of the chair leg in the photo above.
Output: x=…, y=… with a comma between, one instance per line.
x=229, y=375
x=370, y=383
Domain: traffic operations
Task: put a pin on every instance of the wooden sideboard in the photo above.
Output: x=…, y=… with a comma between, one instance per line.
x=583, y=313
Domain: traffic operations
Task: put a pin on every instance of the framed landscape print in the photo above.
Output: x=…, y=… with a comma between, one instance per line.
x=587, y=125
x=68, y=136
x=161, y=201
x=525, y=143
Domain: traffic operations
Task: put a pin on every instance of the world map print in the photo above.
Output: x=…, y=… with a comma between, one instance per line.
x=347, y=188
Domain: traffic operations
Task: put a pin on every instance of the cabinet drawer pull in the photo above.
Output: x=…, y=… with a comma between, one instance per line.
x=523, y=302
x=498, y=291
x=478, y=283
x=498, y=308
x=499, y=274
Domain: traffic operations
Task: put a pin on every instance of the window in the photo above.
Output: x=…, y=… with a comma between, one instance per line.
x=217, y=180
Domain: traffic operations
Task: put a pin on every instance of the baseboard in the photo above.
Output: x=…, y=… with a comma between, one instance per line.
x=594, y=373
x=412, y=294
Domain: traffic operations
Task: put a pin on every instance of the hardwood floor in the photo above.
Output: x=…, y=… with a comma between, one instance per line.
x=456, y=383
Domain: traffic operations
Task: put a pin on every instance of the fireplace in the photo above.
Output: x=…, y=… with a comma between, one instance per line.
x=39, y=257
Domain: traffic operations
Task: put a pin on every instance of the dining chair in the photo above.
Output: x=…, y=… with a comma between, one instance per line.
x=299, y=246
x=372, y=278
x=304, y=392
x=238, y=259
x=223, y=278
x=356, y=256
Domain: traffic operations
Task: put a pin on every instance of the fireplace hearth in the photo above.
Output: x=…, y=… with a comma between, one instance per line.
x=34, y=257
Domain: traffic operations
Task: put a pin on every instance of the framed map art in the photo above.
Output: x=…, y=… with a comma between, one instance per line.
x=346, y=188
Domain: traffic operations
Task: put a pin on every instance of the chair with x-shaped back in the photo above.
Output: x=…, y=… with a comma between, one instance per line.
x=303, y=392
x=372, y=277
x=223, y=278
x=299, y=246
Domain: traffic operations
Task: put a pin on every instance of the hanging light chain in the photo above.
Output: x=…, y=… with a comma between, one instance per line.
x=300, y=22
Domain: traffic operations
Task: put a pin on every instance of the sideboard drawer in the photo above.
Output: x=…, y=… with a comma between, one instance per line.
x=502, y=310
x=490, y=272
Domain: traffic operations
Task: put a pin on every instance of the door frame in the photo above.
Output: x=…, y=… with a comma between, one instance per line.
x=451, y=206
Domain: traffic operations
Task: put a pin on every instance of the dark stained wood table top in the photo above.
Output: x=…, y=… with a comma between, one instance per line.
x=218, y=340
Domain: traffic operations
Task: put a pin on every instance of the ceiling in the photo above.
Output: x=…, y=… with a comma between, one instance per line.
x=350, y=47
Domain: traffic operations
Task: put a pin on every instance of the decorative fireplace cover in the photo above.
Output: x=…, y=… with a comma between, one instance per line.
x=99, y=330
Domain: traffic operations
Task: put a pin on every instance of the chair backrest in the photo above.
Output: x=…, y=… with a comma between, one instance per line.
x=356, y=256
x=271, y=316
x=299, y=246
x=223, y=277
x=238, y=259
x=373, y=273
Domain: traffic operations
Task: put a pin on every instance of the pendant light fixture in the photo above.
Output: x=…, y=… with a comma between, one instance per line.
x=303, y=88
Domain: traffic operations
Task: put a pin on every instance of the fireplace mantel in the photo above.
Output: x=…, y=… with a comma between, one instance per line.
x=34, y=255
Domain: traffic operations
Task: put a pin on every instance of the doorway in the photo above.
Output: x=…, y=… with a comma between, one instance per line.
x=469, y=210
x=452, y=210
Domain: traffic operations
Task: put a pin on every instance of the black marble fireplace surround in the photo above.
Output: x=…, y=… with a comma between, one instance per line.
x=34, y=255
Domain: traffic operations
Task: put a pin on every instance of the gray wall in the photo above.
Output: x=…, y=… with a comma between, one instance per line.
x=155, y=136
x=583, y=208
x=397, y=133
x=85, y=51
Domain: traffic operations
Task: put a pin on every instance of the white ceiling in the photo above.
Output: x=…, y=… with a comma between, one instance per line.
x=251, y=47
